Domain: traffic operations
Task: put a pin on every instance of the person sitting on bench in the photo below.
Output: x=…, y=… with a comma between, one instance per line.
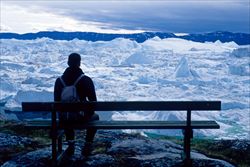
x=72, y=79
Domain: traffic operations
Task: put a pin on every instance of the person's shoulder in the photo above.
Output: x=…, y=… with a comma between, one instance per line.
x=58, y=80
x=86, y=78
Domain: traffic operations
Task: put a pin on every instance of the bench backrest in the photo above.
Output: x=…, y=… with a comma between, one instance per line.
x=124, y=106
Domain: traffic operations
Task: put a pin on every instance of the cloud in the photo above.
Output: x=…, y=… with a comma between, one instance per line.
x=175, y=16
x=24, y=20
x=4, y=28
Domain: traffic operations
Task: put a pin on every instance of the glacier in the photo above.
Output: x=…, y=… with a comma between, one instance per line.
x=124, y=70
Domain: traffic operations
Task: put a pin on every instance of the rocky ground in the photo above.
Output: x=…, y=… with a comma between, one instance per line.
x=113, y=148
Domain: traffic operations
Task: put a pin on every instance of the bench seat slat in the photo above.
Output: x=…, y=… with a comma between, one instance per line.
x=130, y=125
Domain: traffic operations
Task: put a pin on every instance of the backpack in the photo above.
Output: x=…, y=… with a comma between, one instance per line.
x=69, y=94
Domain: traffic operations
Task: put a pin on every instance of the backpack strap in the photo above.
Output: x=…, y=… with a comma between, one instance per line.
x=78, y=79
x=64, y=85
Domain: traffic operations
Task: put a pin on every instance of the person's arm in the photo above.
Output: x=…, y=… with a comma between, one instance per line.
x=90, y=95
x=57, y=91
x=91, y=91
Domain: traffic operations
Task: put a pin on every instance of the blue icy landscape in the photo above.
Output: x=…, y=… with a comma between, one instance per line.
x=146, y=66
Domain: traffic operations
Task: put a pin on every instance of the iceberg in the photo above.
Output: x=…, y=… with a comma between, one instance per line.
x=124, y=70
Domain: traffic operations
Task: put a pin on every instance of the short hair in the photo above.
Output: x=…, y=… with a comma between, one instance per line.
x=74, y=60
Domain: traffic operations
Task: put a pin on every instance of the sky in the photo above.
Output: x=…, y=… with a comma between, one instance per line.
x=122, y=16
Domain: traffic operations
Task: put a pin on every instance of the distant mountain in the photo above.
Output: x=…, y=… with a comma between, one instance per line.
x=89, y=36
x=223, y=36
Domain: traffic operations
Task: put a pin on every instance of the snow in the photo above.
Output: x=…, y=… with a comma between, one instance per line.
x=124, y=70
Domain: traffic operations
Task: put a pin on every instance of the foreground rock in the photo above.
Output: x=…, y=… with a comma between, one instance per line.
x=12, y=145
x=119, y=149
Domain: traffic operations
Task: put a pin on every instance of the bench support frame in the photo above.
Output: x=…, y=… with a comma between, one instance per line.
x=58, y=153
x=188, y=134
x=55, y=141
x=56, y=135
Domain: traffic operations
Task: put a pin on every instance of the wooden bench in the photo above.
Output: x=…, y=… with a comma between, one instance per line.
x=187, y=126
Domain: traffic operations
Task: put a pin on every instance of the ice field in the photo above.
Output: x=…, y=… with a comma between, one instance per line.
x=124, y=70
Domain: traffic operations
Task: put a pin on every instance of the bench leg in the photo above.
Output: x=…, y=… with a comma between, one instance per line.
x=60, y=136
x=60, y=145
x=54, y=138
x=54, y=150
x=188, y=134
x=57, y=151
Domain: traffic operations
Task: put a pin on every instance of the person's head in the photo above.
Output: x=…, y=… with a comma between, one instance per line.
x=74, y=60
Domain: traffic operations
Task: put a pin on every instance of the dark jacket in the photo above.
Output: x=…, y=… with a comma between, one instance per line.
x=85, y=87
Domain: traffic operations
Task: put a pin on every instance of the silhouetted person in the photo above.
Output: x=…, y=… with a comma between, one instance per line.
x=86, y=92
